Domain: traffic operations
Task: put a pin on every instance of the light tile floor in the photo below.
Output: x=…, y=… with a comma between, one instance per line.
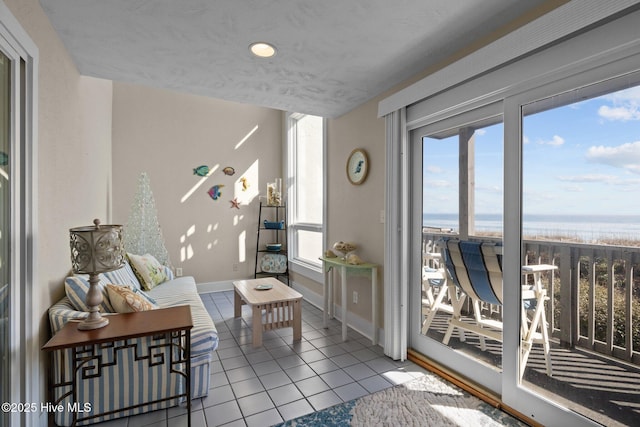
x=281, y=380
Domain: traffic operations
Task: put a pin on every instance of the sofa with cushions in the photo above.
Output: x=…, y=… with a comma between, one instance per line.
x=141, y=284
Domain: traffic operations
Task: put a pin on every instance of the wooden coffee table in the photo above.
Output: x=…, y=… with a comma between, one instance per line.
x=281, y=304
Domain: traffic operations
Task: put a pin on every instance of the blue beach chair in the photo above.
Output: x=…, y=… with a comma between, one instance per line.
x=476, y=269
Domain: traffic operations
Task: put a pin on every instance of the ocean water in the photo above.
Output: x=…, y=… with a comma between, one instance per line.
x=589, y=228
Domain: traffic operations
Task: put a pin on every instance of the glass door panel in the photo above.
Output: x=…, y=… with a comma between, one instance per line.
x=581, y=217
x=5, y=230
x=462, y=199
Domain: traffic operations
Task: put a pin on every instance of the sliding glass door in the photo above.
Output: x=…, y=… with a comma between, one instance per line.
x=557, y=207
x=5, y=234
x=461, y=198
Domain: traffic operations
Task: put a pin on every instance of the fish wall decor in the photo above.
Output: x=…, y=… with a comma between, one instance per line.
x=229, y=170
x=245, y=183
x=201, y=170
x=214, y=192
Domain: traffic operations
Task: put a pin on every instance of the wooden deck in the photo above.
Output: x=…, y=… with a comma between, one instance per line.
x=601, y=388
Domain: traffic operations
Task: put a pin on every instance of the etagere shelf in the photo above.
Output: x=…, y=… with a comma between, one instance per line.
x=271, y=259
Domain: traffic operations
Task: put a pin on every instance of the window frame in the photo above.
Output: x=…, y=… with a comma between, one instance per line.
x=298, y=265
x=24, y=339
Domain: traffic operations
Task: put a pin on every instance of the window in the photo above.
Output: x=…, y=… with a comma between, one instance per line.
x=305, y=181
x=479, y=212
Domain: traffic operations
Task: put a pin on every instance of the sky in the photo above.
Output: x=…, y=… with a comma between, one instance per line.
x=578, y=159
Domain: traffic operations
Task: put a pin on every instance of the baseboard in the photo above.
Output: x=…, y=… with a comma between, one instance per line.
x=355, y=322
x=208, y=287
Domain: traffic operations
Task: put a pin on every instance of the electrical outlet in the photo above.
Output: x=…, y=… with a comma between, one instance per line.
x=235, y=267
x=178, y=271
x=382, y=218
x=355, y=297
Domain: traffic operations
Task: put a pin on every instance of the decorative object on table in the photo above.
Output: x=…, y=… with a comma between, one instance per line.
x=228, y=171
x=4, y=158
x=245, y=183
x=214, y=192
x=357, y=166
x=330, y=254
x=274, y=193
x=264, y=287
x=201, y=170
x=274, y=247
x=235, y=203
x=273, y=225
x=343, y=249
x=273, y=263
x=96, y=249
x=354, y=259
x=142, y=233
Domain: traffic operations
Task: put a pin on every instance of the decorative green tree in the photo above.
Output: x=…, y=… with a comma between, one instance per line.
x=142, y=233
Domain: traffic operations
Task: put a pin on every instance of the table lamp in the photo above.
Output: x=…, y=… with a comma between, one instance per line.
x=96, y=249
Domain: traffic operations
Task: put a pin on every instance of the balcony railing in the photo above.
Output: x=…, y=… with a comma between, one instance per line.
x=595, y=294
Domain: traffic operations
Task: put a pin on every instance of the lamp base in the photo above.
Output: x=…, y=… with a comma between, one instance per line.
x=89, y=324
x=94, y=298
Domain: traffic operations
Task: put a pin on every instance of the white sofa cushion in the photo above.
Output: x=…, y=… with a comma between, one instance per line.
x=183, y=291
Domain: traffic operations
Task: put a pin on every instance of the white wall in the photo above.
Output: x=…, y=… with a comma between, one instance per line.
x=74, y=126
x=354, y=210
x=168, y=134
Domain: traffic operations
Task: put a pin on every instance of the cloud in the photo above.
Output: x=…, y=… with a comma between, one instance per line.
x=480, y=132
x=625, y=156
x=589, y=178
x=556, y=141
x=623, y=114
x=626, y=105
x=572, y=188
x=438, y=183
x=493, y=189
x=525, y=139
x=600, y=178
x=631, y=95
x=433, y=169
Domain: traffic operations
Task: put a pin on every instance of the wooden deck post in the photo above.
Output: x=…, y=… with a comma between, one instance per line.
x=467, y=182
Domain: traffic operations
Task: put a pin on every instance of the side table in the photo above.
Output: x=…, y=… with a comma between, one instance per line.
x=171, y=332
x=346, y=269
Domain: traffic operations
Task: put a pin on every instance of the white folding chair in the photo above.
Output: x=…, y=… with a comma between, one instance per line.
x=476, y=268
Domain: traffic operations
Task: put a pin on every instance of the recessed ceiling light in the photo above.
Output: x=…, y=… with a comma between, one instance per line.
x=262, y=49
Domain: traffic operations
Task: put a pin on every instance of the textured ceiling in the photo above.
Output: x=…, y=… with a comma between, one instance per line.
x=333, y=55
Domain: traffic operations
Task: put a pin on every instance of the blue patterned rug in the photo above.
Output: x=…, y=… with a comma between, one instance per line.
x=425, y=401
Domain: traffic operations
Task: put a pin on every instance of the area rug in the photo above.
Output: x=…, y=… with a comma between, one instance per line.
x=425, y=401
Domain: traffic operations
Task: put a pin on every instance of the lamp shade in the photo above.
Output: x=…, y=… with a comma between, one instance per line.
x=96, y=249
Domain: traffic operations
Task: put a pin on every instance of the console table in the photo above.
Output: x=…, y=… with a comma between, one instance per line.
x=171, y=332
x=366, y=269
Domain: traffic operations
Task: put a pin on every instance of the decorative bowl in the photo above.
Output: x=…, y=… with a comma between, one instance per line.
x=274, y=247
x=274, y=225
